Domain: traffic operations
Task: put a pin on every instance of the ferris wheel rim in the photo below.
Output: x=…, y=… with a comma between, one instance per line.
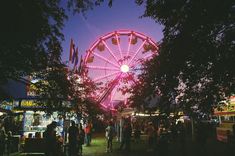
x=117, y=67
x=120, y=32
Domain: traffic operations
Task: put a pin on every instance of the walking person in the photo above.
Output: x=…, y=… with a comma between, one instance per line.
x=163, y=146
x=137, y=132
x=9, y=142
x=150, y=130
x=126, y=137
x=182, y=137
x=81, y=138
x=2, y=139
x=173, y=129
x=59, y=145
x=123, y=138
x=88, y=129
x=109, y=133
x=50, y=140
x=73, y=135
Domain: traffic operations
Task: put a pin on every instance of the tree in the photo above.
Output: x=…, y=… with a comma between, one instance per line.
x=27, y=28
x=30, y=44
x=196, y=59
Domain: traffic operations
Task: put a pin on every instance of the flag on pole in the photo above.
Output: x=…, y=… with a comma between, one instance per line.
x=76, y=57
x=80, y=65
x=71, y=50
x=75, y=53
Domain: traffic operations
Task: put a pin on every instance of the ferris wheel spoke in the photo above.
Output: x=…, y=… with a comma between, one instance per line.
x=102, y=68
x=129, y=45
x=102, y=104
x=103, y=77
x=114, y=89
x=108, y=92
x=113, y=93
x=139, y=61
x=119, y=47
x=110, y=51
x=136, y=52
x=112, y=96
x=148, y=56
x=105, y=59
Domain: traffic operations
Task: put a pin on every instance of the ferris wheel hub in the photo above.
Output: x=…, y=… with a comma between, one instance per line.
x=124, y=68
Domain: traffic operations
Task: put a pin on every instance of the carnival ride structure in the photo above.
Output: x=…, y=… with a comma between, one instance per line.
x=114, y=62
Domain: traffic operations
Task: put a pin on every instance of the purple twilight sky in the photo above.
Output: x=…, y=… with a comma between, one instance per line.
x=124, y=14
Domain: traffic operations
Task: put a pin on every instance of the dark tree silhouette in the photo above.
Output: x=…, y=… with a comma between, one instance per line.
x=196, y=61
x=30, y=45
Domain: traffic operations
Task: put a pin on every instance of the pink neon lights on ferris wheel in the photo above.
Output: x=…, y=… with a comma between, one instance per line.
x=122, y=32
x=111, y=52
x=94, y=45
x=105, y=59
x=141, y=36
x=119, y=47
x=141, y=46
x=103, y=77
x=113, y=94
x=121, y=60
x=148, y=56
x=107, y=36
x=102, y=68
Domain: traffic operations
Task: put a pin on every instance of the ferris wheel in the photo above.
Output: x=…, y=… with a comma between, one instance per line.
x=114, y=62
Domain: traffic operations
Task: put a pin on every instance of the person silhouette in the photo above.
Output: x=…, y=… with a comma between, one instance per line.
x=73, y=142
x=109, y=133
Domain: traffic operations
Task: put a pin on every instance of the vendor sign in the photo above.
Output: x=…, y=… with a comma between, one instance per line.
x=30, y=104
x=227, y=109
x=6, y=105
x=222, y=130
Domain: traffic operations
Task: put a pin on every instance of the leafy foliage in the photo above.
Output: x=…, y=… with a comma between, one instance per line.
x=27, y=30
x=196, y=61
x=30, y=44
x=81, y=6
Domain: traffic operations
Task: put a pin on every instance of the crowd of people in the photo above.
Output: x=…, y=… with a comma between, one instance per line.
x=54, y=144
x=5, y=140
x=161, y=133
x=77, y=136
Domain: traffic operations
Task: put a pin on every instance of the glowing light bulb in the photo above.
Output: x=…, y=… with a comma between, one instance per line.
x=124, y=68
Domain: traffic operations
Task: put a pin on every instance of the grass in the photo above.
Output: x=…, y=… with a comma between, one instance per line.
x=212, y=148
x=98, y=148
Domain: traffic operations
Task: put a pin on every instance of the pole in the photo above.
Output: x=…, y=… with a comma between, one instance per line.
x=193, y=130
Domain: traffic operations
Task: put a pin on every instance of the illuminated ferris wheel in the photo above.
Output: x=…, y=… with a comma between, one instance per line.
x=114, y=62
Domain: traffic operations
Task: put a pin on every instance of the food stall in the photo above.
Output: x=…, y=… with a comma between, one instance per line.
x=36, y=120
x=226, y=117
